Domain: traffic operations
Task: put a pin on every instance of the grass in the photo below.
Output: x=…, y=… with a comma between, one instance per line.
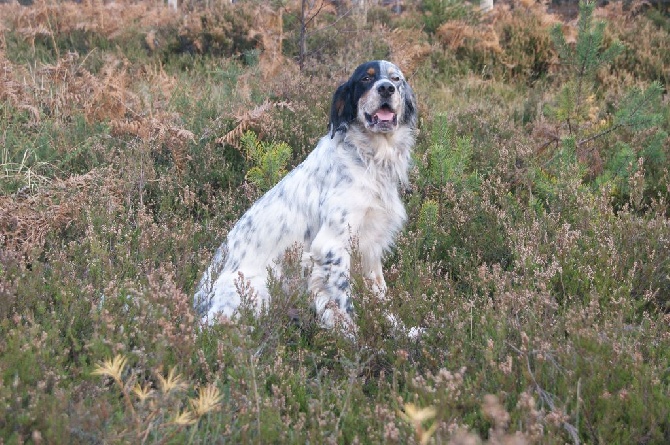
x=536, y=260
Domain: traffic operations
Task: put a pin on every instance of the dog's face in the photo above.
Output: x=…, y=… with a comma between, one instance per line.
x=377, y=97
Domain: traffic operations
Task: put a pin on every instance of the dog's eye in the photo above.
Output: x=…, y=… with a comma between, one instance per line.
x=366, y=79
x=395, y=78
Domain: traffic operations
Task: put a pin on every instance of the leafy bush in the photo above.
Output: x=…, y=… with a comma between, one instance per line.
x=454, y=208
x=268, y=161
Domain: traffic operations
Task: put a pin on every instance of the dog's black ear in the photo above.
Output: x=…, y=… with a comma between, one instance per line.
x=342, y=111
x=410, y=115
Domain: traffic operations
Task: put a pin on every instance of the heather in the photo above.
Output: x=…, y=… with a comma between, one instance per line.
x=536, y=255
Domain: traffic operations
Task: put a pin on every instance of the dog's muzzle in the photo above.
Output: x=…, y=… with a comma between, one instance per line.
x=386, y=89
x=384, y=119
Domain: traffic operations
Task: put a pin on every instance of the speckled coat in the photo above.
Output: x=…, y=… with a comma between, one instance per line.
x=346, y=189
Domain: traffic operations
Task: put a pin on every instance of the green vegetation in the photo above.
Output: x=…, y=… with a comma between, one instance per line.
x=536, y=256
x=269, y=160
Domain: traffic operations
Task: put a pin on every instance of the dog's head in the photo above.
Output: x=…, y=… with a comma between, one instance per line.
x=377, y=97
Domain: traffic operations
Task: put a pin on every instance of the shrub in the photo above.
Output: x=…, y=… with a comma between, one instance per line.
x=515, y=44
x=220, y=31
x=582, y=122
x=268, y=161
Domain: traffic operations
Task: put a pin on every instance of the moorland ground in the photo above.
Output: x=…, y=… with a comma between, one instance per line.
x=536, y=255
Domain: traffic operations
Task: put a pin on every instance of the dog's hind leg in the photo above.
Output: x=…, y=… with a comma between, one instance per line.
x=202, y=300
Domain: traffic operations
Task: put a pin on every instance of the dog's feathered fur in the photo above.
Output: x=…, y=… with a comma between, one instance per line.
x=346, y=188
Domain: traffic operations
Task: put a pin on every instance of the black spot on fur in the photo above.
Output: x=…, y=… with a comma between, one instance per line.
x=343, y=218
x=243, y=254
x=350, y=306
x=234, y=264
x=342, y=282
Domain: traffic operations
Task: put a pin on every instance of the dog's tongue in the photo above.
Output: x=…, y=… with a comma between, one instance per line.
x=385, y=115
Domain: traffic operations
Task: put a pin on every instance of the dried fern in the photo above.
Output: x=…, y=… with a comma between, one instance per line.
x=248, y=120
x=160, y=133
x=27, y=218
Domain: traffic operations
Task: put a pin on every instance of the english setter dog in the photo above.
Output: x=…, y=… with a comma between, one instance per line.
x=347, y=188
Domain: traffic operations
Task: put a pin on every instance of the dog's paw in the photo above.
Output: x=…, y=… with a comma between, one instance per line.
x=340, y=321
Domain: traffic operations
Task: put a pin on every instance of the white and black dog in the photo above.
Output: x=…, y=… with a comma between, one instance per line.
x=347, y=188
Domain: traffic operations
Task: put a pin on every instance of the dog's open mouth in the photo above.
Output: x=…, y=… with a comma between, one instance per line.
x=383, y=119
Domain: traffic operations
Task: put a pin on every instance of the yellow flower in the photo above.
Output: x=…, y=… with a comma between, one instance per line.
x=209, y=399
x=184, y=418
x=417, y=416
x=172, y=381
x=112, y=367
x=142, y=393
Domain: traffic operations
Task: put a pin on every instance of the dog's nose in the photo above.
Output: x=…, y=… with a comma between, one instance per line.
x=386, y=89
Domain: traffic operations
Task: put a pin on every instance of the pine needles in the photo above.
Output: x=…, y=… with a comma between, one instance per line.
x=583, y=120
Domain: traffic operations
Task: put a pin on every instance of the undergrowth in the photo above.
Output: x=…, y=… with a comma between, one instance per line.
x=536, y=256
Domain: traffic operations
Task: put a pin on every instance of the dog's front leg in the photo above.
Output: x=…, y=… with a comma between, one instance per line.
x=329, y=281
x=371, y=262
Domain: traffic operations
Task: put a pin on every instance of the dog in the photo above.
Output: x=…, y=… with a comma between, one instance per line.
x=347, y=188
